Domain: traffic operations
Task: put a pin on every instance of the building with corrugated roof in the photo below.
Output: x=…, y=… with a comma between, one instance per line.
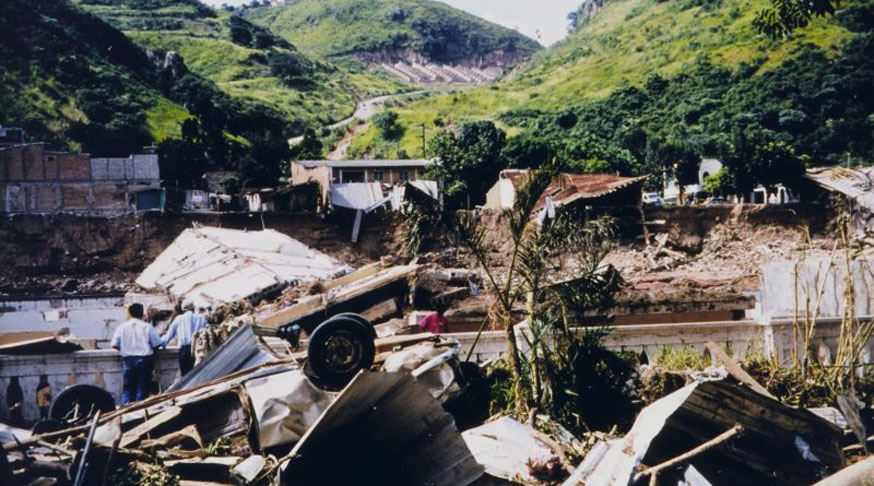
x=568, y=189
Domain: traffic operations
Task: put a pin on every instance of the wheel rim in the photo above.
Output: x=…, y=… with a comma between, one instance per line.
x=343, y=352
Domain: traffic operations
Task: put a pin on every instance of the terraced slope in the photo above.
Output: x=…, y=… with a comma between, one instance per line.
x=244, y=60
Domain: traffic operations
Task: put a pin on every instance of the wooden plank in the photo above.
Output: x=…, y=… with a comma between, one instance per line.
x=135, y=434
x=365, y=271
x=735, y=369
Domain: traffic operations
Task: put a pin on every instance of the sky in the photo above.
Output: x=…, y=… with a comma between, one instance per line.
x=543, y=20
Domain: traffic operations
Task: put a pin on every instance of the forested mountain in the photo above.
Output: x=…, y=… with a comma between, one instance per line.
x=644, y=84
x=393, y=29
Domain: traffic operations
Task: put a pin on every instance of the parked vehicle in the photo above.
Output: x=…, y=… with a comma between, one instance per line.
x=653, y=199
x=697, y=198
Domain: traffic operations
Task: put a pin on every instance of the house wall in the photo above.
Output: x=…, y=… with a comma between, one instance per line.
x=501, y=195
x=33, y=180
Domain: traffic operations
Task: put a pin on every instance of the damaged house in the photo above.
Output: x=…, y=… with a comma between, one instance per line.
x=36, y=180
x=596, y=190
x=220, y=266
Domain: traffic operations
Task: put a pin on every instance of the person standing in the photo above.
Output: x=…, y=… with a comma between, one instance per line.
x=183, y=328
x=15, y=402
x=43, y=396
x=136, y=341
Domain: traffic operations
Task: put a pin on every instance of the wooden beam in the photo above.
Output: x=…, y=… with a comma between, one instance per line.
x=735, y=370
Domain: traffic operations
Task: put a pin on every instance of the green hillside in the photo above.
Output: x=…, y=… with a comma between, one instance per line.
x=432, y=29
x=705, y=53
x=73, y=80
x=244, y=60
x=76, y=82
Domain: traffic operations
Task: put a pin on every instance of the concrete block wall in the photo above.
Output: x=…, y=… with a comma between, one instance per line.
x=101, y=368
x=739, y=337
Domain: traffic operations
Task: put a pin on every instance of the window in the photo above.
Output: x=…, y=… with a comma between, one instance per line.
x=378, y=176
x=352, y=176
x=403, y=176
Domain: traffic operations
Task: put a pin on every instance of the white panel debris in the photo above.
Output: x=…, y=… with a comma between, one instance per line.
x=356, y=195
x=506, y=448
x=223, y=265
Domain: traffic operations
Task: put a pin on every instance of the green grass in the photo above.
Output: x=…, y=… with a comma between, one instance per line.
x=165, y=120
x=625, y=43
x=205, y=44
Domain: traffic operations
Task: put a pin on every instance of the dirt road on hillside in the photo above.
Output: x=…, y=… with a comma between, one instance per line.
x=364, y=111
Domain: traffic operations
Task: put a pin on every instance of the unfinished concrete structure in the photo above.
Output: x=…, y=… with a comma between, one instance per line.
x=36, y=180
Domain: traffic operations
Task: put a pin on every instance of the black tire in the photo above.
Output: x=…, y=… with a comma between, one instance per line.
x=357, y=317
x=89, y=398
x=339, y=348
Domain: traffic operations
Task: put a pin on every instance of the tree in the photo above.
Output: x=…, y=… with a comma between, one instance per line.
x=310, y=148
x=527, y=151
x=556, y=267
x=240, y=32
x=386, y=122
x=469, y=161
x=784, y=16
x=182, y=162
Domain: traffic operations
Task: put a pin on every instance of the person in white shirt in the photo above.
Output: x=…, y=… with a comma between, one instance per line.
x=183, y=329
x=136, y=341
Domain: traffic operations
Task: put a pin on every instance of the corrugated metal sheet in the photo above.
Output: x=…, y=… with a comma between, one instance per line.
x=386, y=429
x=356, y=195
x=223, y=265
x=241, y=351
x=567, y=188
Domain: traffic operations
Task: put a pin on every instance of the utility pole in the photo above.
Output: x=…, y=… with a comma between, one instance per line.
x=424, y=154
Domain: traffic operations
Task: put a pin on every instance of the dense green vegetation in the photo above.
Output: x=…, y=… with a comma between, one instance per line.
x=74, y=81
x=71, y=80
x=246, y=61
x=645, y=85
x=435, y=30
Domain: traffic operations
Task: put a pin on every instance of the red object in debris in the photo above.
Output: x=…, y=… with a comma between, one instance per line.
x=435, y=323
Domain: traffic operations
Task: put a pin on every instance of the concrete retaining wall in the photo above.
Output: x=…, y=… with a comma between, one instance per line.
x=103, y=367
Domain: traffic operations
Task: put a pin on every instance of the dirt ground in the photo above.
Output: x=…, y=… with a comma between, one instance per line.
x=726, y=253
x=72, y=255
x=693, y=254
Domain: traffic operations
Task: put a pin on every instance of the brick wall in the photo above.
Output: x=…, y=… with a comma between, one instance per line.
x=109, y=196
x=74, y=167
x=75, y=196
x=45, y=198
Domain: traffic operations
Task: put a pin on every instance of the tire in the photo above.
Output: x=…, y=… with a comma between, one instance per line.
x=89, y=398
x=339, y=348
x=357, y=317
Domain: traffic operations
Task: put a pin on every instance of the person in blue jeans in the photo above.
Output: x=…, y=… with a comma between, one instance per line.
x=136, y=341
